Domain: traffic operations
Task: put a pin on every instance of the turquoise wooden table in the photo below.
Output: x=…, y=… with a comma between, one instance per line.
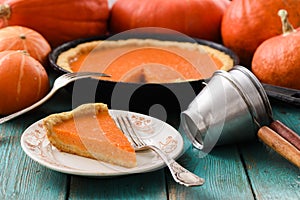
x=242, y=171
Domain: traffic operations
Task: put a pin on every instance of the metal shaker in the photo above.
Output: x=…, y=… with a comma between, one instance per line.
x=233, y=107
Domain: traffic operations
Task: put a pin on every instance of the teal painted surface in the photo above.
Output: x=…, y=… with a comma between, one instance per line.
x=244, y=171
x=150, y=185
x=223, y=172
x=20, y=177
x=273, y=177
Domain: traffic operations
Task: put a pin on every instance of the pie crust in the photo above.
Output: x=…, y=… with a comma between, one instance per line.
x=87, y=137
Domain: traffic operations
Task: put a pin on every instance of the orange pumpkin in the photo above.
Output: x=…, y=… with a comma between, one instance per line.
x=198, y=18
x=22, y=38
x=277, y=60
x=247, y=23
x=23, y=81
x=58, y=21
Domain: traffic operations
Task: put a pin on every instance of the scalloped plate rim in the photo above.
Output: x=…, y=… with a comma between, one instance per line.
x=59, y=167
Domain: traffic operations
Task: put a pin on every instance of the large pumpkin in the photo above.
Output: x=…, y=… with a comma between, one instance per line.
x=277, y=60
x=22, y=38
x=247, y=23
x=197, y=18
x=23, y=81
x=58, y=21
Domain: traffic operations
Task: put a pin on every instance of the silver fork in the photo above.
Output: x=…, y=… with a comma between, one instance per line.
x=60, y=82
x=179, y=173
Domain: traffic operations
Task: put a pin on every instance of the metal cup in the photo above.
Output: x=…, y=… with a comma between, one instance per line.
x=230, y=108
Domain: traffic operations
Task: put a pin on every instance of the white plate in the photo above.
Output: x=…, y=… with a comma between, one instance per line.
x=37, y=146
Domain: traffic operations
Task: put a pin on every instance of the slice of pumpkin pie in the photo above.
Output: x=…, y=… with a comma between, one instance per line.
x=89, y=131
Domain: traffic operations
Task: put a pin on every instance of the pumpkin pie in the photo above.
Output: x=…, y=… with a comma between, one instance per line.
x=146, y=60
x=89, y=131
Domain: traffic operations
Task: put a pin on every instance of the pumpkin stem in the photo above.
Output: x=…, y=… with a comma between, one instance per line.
x=286, y=25
x=5, y=11
x=22, y=36
x=23, y=52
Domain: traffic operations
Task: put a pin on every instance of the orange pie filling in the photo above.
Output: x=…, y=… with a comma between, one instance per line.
x=146, y=61
x=90, y=131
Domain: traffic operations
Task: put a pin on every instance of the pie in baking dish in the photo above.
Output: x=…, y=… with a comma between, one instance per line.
x=146, y=60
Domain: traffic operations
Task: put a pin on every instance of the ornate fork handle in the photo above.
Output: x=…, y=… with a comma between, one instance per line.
x=179, y=173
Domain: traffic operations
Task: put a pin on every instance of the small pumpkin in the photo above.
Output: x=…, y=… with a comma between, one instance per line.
x=198, y=18
x=23, y=81
x=247, y=23
x=58, y=21
x=277, y=60
x=22, y=38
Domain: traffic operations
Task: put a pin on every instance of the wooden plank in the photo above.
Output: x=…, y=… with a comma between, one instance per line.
x=22, y=178
x=222, y=170
x=136, y=186
x=288, y=114
x=273, y=177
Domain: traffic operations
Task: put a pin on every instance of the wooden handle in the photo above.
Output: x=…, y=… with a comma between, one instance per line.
x=286, y=133
x=280, y=145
